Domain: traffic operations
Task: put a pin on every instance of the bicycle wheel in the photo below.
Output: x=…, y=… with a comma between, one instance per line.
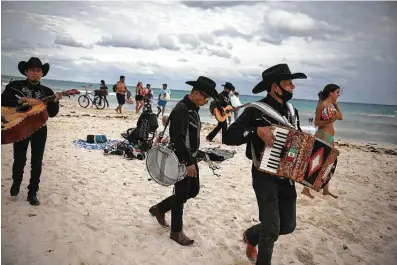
x=96, y=103
x=84, y=101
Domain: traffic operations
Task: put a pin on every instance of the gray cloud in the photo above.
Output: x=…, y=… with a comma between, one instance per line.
x=184, y=60
x=189, y=39
x=69, y=41
x=167, y=42
x=231, y=31
x=215, y=4
x=133, y=42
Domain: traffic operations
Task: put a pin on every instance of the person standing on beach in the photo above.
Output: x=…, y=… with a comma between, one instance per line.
x=235, y=102
x=103, y=89
x=121, y=90
x=327, y=112
x=276, y=197
x=26, y=91
x=184, y=132
x=224, y=101
x=139, y=96
x=162, y=100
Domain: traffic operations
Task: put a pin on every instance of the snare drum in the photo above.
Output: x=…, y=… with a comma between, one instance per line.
x=163, y=165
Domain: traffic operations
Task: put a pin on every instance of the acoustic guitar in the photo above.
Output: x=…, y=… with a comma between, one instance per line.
x=19, y=122
x=227, y=112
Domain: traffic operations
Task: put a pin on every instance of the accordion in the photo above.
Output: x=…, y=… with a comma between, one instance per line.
x=300, y=157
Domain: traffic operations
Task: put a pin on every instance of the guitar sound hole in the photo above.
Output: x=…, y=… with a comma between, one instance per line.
x=24, y=108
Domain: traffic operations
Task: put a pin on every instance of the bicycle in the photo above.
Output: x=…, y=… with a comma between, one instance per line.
x=84, y=100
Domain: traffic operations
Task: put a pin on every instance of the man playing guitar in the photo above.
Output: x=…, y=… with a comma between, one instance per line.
x=224, y=101
x=28, y=91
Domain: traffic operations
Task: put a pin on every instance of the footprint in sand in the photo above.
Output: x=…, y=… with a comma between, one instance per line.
x=305, y=256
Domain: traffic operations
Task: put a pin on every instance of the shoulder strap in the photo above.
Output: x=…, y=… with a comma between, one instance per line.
x=291, y=109
x=266, y=109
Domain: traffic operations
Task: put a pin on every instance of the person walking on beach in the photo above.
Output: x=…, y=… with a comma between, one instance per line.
x=121, y=90
x=185, y=126
x=139, y=97
x=235, y=102
x=224, y=101
x=327, y=112
x=103, y=90
x=25, y=91
x=276, y=197
x=164, y=96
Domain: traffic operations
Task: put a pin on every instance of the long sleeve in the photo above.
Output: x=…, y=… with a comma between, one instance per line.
x=8, y=97
x=179, y=126
x=52, y=107
x=244, y=128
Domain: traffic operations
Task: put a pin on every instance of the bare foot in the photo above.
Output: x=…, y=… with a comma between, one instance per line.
x=329, y=193
x=307, y=193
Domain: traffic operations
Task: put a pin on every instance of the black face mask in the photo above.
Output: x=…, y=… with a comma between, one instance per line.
x=286, y=96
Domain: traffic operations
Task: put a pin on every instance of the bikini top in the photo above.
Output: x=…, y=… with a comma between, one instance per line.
x=328, y=113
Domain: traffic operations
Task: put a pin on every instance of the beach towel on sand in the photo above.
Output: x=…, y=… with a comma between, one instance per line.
x=95, y=146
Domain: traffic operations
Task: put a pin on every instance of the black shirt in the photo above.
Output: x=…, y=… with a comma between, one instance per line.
x=185, y=128
x=244, y=129
x=23, y=88
x=224, y=99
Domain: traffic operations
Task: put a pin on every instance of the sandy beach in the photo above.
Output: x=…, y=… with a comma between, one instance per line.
x=94, y=208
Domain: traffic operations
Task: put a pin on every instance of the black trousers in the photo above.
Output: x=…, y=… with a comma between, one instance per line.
x=185, y=189
x=221, y=126
x=277, y=213
x=37, y=144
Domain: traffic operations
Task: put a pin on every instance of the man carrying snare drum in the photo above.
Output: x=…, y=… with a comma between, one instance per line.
x=276, y=197
x=184, y=131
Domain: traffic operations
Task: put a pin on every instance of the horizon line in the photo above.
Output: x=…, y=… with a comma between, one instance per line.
x=22, y=77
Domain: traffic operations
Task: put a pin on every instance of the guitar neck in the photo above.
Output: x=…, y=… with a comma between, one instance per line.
x=237, y=108
x=52, y=97
x=48, y=99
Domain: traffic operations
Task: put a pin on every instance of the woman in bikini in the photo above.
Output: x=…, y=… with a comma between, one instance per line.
x=139, y=96
x=327, y=112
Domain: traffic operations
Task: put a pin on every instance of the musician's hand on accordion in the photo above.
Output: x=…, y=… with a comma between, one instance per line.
x=266, y=134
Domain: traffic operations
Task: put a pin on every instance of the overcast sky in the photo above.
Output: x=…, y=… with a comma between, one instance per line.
x=348, y=43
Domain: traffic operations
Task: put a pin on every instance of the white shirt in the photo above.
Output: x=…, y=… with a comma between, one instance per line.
x=235, y=101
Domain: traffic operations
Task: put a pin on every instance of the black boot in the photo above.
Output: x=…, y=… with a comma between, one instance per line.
x=32, y=195
x=14, y=191
x=33, y=200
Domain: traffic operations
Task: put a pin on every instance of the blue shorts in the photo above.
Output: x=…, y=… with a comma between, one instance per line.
x=161, y=103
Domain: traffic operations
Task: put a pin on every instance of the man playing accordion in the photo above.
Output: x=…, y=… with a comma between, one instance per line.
x=276, y=197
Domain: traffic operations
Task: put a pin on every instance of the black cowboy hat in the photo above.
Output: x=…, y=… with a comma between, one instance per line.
x=205, y=85
x=33, y=62
x=275, y=74
x=229, y=86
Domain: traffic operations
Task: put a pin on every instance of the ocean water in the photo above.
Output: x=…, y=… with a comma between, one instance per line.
x=362, y=122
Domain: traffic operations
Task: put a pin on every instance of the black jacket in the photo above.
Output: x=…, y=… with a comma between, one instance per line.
x=185, y=121
x=224, y=99
x=244, y=129
x=23, y=88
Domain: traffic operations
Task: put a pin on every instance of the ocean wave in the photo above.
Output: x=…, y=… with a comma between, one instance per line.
x=380, y=115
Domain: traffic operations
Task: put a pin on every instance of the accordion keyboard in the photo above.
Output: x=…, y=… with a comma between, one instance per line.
x=271, y=155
